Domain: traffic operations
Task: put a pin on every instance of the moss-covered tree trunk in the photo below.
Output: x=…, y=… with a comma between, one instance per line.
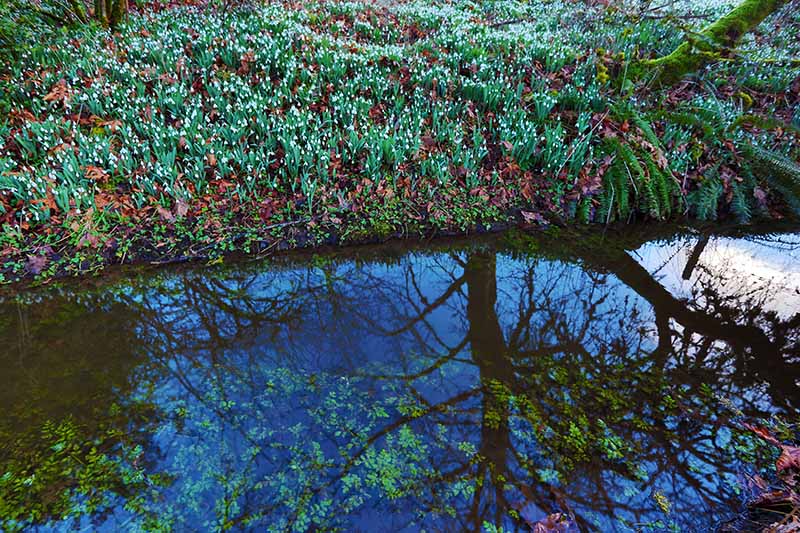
x=110, y=12
x=100, y=13
x=79, y=10
x=724, y=33
x=118, y=13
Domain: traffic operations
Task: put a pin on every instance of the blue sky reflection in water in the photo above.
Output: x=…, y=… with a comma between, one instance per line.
x=459, y=388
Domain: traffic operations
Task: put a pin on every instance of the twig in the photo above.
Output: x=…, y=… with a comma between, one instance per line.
x=507, y=23
x=577, y=144
x=674, y=16
x=265, y=251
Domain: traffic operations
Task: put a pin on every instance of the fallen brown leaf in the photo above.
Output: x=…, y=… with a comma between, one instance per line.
x=554, y=523
x=181, y=208
x=165, y=214
x=36, y=263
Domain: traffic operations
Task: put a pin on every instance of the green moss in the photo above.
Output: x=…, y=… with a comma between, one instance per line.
x=723, y=33
x=729, y=29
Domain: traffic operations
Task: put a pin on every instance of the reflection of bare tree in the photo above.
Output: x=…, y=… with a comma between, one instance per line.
x=761, y=346
x=556, y=374
x=551, y=330
x=714, y=337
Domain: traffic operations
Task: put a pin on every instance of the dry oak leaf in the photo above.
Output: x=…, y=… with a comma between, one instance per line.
x=181, y=208
x=788, y=463
x=19, y=117
x=58, y=93
x=96, y=174
x=165, y=214
x=37, y=263
x=554, y=523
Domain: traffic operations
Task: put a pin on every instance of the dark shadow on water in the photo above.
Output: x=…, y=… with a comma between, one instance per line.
x=474, y=388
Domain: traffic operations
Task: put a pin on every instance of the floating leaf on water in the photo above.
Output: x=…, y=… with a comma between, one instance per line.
x=554, y=523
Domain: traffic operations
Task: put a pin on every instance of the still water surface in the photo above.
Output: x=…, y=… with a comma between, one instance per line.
x=456, y=388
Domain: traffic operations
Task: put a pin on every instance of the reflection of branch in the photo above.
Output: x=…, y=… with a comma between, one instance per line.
x=741, y=337
x=694, y=257
x=438, y=363
x=438, y=302
x=569, y=346
x=632, y=274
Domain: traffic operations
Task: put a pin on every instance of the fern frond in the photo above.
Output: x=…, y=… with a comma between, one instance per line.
x=775, y=168
x=740, y=204
x=705, y=200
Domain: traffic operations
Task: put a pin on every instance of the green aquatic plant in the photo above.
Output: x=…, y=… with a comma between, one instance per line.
x=66, y=472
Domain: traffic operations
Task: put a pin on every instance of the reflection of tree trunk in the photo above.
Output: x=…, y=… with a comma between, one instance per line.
x=489, y=354
x=760, y=356
x=694, y=257
x=492, y=356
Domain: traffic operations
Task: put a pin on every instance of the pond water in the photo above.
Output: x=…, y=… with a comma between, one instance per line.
x=461, y=387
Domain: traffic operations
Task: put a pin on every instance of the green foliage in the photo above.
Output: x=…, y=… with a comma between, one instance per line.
x=20, y=24
x=330, y=112
x=743, y=164
x=705, y=199
x=765, y=123
x=634, y=182
x=777, y=168
x=63, y=472
x=741, y=204
x=28, y=28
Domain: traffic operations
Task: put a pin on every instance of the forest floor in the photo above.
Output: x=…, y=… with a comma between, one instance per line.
x=195, y=132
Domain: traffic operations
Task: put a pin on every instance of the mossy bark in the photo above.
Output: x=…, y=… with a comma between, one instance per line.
x=100, y=13
x=79, y=10
x=118, y=11
x=693, y=54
